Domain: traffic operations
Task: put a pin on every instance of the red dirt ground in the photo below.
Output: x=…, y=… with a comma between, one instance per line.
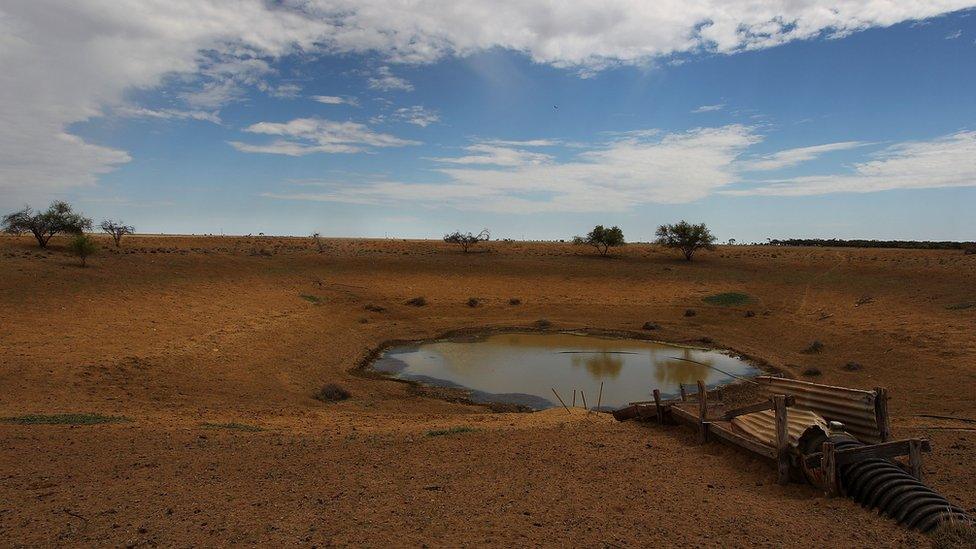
x=176, y=332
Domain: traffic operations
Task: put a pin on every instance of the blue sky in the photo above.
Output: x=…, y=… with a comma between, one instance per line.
x=842, y=127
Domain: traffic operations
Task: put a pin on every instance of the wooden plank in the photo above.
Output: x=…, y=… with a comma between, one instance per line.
x=881, y=413
x=782, y=441
x=757, y=407
x=623, y=414
x=702, y=412
x=684, y=415
x=885, y=450
x=915, y=458
x=728, y=435
x=831, y=484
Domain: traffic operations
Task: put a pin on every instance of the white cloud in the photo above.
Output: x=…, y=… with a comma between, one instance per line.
x=168, y=114
x=335, y=100
x=709, y=108
x=416, y=115
x=793, y=157
x=303, y=136
x=488, y=154
x=67, y=61
x=385, y=80
x=947, y=161
x=613, y=176
x=953, y=35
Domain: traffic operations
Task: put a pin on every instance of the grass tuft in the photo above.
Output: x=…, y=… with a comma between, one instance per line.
x=451, y=431
x=728, y=299
x=64, y=419
x=311, y=298
x=233, y=426
x=954, y=533
x=332, y=392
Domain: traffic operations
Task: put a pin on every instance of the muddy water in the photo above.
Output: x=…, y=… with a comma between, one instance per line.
x=522, y=368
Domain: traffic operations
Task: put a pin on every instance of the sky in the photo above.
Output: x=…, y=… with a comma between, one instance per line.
x=533, y=119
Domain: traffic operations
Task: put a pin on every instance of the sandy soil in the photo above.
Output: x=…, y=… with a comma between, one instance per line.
x=176, y=332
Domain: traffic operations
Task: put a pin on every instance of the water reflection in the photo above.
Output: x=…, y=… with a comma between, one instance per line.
x=525, y=368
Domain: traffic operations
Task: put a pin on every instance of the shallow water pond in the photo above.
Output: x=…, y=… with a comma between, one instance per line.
x=523, y=368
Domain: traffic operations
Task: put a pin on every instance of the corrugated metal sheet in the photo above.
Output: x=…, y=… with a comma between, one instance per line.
x=762, y=425
x=852, y=407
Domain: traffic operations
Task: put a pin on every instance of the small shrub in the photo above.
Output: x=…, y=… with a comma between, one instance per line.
x=812, y=372
x=451, y=431
x=473, y=302
x=727, y=299
x=64, y=419
x=863, y=300
x=954, y=534
x=419, y=301
x=690, y=312
x=332, y=392
x=82, y=246
x=543, y=323
x=514, y=301
x=959, y=306
x=314, y=299
x=813, y=348
x=374, y=308
x=318, y=241
x=650, y=326
x=853, y=366
x=750, y=314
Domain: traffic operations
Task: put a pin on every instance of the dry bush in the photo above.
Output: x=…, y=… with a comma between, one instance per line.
x=650, y=326
x=813, y=348
x=473, y=302
x=418, y=301
x=812, y=372
x=514, y=301
x=690, y=312
x=332, y=392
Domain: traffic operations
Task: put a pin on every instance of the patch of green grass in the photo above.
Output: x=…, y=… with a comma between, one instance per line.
x=728, y=299
x=64, y=419
x=234, y=426
x=959, y=306
x=311, y=298
x=451, y=431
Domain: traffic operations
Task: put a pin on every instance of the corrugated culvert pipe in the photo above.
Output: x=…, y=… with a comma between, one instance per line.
x=882, y=484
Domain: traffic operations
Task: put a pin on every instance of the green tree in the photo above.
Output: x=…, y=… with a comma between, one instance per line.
x=602, y=238
x=58, y=218
x=82, y=246
x=686, y=237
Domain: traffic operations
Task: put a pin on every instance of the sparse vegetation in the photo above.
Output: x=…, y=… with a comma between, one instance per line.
x=64, y=419
x=58, y=218
x=467, y=241
x=473, y=302
x=853, y=366
x=318, y=241
x=314, y=299
x=418, y=301
x=650, y=326
x=812, y=372
x=543, y=324
x=332, y=392
x=374, y=308
x=450, y=431
x=954, y=534
x=514, y=301
x=959, y=306
x=690, y=312
x=686, y=237
x=233, y=426
x=727, y=299
x=839, y=243
x=117, y=230
x=602, y=239
x=813, y=348
x=82, y=246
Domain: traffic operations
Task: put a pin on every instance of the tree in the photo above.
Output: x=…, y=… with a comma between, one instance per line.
x=117, y=229
x=466, y=241
x=602, y=238
x=82, y=246
x=319, y=242
x=58, y=218
x=686, y=237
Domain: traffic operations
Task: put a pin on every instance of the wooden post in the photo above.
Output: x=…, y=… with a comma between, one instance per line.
x=684, y=393
x=915, y=458
x=702, y=412
x=782, y=440
x=829, y=466
x=657, y=406
x=881, y=413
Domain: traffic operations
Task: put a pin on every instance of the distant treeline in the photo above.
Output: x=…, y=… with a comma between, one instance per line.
x=838, y=243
